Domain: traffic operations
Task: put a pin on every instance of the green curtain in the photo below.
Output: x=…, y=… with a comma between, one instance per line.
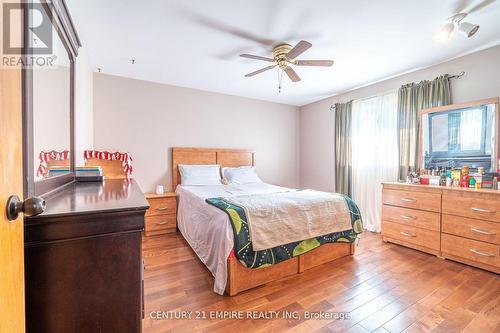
x=412, y=98
x=343, y=169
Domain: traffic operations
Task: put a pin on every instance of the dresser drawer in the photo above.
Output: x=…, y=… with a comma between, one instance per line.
x=417, y=200
x=408, y=234
x=160, y=224
x=160, y=206
x=471, y=228
x=471, y=250
x=472, y=206
x=411, y=217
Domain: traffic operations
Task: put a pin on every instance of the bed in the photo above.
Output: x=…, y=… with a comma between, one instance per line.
x=208, y=230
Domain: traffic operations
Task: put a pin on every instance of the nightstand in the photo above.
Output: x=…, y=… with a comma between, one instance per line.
x=161, y=217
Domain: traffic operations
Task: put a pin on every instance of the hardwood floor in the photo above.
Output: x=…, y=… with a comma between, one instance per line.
x=383, y=288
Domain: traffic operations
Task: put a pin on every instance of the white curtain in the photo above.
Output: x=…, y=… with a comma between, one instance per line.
x=374, y=153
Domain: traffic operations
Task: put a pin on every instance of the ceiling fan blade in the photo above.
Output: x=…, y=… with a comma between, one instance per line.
x=215, y=24
x=460, y=6
x=251, y=56
x=292, y=74
x=325, y=63
x=260, y=71
x=480, y=6
x=298, y=49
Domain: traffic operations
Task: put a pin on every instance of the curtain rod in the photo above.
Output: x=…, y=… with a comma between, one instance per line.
x=456, y=76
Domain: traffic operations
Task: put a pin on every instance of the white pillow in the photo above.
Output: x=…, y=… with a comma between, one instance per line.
x=199, y=174
x=241, y=175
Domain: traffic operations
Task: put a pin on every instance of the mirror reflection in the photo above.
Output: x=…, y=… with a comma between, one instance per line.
x=456, y=138
x=51, y=113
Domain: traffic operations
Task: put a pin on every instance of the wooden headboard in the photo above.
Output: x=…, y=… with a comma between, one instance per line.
x=223, y=157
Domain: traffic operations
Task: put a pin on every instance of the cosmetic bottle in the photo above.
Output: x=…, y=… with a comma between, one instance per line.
x=449, y=180
x=472, y=182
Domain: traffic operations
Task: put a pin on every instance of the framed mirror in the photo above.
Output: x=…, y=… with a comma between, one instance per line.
x=456, y=135
x=50, y=48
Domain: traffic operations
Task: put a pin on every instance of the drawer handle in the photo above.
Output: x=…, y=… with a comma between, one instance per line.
x=407, y=217
x=482, y=210
x=484, y=232
x=161, y=223
x=481, y=253
x=408, y=200
x=161, y=209
x=407, y=234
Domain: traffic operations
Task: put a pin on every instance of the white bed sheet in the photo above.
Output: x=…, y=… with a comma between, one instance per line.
x=207, y=229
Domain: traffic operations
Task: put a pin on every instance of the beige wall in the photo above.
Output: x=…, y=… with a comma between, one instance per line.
x=146, y=119
x=317, y=159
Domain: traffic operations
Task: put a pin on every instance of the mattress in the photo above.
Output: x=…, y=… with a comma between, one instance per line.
x=207, y=229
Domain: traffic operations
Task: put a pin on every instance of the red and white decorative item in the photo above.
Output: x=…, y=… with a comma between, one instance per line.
x=46, y=156
x=116, y=156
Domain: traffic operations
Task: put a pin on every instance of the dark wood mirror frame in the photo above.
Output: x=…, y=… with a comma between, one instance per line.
x=58, y=13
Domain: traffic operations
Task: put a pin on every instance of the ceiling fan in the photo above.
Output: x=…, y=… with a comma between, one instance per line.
x=284, y=56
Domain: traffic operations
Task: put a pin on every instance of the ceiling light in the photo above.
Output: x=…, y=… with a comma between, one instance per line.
x=465, y=28
x=468, y=29
x=446, y=31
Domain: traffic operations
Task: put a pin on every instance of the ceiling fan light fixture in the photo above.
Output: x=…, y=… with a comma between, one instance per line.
x=468, y=29
x=283, y=58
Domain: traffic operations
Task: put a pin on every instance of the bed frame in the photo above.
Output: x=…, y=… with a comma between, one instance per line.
x=239, y=277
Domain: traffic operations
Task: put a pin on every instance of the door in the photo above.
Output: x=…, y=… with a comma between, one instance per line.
x=11, y=182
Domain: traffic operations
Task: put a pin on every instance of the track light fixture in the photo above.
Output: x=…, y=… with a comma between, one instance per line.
x=455, y=22
x=468, y=29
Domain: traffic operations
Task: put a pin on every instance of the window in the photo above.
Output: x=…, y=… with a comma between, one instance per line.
x=374, y=140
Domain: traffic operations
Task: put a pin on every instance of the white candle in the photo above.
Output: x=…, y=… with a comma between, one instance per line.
x=159, y=189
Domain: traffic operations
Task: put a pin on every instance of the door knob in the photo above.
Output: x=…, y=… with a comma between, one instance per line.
x=30, y=207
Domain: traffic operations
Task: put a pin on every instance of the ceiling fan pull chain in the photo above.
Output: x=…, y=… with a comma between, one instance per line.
x=280, y=79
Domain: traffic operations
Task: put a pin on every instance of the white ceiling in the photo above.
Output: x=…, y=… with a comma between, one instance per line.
x=197, y=43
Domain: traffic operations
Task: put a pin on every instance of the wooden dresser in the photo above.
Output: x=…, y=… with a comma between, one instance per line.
x=161, y=217
x=83, y=266
x=455, y=223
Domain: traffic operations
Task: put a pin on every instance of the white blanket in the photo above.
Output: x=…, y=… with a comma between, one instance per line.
x=207, y=229
x=281, y=218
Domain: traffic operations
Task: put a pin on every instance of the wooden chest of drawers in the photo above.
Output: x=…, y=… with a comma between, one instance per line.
x=161, y=217
x=471, y=228
x=453, y=223
x=83, y=260
x=412, y=218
